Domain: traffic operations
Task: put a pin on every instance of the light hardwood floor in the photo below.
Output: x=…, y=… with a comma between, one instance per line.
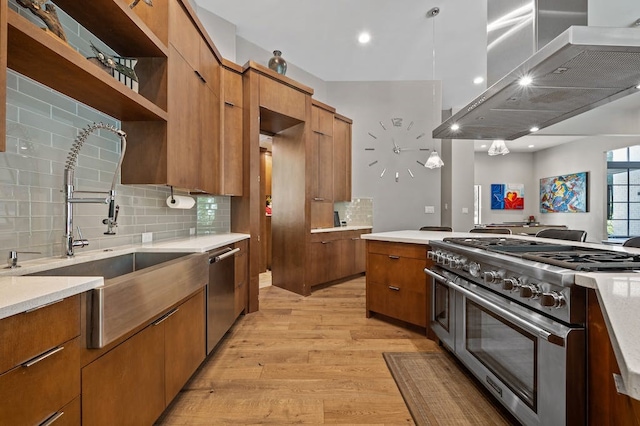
x=313, y=360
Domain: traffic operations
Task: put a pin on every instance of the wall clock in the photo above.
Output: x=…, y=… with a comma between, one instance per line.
x=396, y=145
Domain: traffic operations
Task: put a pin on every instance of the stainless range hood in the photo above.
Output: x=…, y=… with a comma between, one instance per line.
x=581, y=69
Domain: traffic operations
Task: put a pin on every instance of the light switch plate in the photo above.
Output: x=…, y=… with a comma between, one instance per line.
x=465, y=210
x=192, y=231
x=147, y=237
x=429, y=209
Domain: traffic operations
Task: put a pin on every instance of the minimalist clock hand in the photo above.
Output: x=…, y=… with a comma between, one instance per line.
x=396, y=148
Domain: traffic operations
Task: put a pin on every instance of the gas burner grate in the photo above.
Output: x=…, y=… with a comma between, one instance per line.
x=587, y=260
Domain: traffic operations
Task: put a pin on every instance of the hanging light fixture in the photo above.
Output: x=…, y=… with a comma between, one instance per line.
x=434, y=161
x=498, y=147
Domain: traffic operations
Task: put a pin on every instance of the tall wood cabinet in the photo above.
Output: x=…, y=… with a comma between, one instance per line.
x=322, y=160
x=341, y=158
x=231, y=137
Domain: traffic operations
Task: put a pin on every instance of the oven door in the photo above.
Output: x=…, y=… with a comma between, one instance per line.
x=442, y=313
x=533, y=365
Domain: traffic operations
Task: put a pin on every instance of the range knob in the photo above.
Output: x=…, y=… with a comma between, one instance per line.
x=552, y=299
x=474, y=269
x=491, y=277
x=510, y=284
x=529, y=291
x=456, y=262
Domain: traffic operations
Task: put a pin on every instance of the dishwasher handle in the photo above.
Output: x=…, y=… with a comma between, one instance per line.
x=217, y=257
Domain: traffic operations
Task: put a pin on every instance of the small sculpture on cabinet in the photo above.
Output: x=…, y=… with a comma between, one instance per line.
x=48, y=13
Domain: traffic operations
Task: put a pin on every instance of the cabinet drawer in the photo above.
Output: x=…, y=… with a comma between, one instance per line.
x=416, y=251
x=397, y=271
x=69, y=415
x=404, y=302
x=37, y=389
x=29, y=334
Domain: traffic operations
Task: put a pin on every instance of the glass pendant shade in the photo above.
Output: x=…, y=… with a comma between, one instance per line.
x=498, y=147
x=434, y=161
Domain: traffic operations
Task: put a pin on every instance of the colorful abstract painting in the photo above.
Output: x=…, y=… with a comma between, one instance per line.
x=564, y=194
x=507, y=196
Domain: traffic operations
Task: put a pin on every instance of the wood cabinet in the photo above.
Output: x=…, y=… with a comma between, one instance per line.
x=321, y=165
x=136, y=380
x=397, y=286
x=241, y=293
x=187, y=149
x=335, y=255
x=40, y=363
x=341, y=158
x=232, y=132
x=612, y=408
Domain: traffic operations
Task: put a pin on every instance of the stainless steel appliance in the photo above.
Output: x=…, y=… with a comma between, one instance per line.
x=509, y=310
x=220, y=294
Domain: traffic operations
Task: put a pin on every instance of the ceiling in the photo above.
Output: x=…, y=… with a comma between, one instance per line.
x=321, y=38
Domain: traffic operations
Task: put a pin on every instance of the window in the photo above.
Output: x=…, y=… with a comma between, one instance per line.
x=477, y=204
x=623, y=192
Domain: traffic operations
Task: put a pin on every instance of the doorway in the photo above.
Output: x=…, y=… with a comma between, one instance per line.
x=266, y=164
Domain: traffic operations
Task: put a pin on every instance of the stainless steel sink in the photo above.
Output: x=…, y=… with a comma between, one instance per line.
x=137, y=288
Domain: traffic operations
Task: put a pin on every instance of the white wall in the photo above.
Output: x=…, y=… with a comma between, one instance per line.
x=221, y=31
x=613, y=13
x=397, y=205
x=510, y=168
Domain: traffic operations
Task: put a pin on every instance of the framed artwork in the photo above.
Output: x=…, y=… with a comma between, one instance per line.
x=507, y=196
x=564, y=193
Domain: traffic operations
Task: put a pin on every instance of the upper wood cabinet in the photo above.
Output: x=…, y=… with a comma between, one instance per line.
x=232, y=133
x=3, y=75
x=341, y=158
x=321, y=166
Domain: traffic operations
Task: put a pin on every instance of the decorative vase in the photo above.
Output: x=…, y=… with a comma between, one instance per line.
x=277, y=63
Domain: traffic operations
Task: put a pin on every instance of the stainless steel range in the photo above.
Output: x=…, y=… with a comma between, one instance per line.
x=509, y=310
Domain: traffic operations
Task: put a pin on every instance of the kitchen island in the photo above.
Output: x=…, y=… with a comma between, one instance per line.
x=613, y=303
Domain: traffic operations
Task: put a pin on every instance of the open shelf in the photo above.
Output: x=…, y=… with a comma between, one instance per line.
x=45, y=58
x=113, y=22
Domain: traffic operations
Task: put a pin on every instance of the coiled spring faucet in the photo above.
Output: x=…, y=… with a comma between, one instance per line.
x=108, y=197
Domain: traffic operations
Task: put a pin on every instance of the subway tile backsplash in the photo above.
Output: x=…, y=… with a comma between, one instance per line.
x=357, y=212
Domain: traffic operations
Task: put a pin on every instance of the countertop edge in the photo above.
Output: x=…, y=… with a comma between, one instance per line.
x=56, y=288
x=342, y=228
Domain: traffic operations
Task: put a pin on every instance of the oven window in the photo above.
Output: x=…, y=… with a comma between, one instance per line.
x=441, y=305
x=505, y=349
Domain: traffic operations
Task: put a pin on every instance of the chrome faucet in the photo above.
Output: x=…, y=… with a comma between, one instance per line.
x=107, y=197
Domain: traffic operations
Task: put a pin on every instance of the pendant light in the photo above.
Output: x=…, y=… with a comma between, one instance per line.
x=498, y=147
x=434, y=161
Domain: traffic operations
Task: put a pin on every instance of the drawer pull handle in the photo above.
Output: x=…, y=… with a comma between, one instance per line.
x=231, y=104
x=52, y=419
x=165, y=316
x=200, y=76
x=42, y=357
x=394, y=288
x=325, y=242
x=356, y=238
x=394, y=257
x=318, y=199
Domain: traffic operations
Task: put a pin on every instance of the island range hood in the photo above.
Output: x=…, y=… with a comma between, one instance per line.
x=581, y=69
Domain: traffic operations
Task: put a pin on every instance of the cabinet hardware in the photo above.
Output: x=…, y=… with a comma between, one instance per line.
x=325, y=242
x=318, y=199
x=43, y=306
x=394, y=257
x=355, y=238
x=394, y=288
x=165, y=316
x=231, y=104
x=200, y=77
x=52, y=419
x=42, y=357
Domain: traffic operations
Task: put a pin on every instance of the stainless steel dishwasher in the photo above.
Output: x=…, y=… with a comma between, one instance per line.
x=220, y=294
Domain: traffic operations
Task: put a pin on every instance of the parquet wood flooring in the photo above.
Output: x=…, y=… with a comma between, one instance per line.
x=313, y=360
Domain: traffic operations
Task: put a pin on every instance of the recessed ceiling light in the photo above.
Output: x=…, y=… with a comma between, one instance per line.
x=455, y=127
x=531, y=146
x=478, y=80
x=525, y=81
x=364, y=38
x=534, y=129
x=638, y=86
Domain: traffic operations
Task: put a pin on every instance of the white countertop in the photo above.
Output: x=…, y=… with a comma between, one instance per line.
x=618, y=295
x=20, y=293
x=341, y=228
